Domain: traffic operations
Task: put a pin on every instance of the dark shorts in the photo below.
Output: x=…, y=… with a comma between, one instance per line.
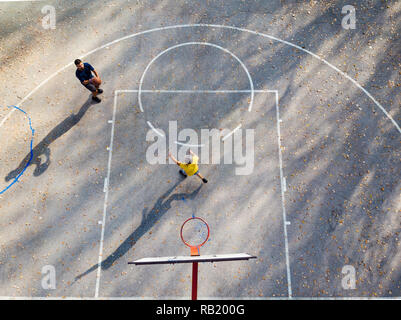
x=90, y=87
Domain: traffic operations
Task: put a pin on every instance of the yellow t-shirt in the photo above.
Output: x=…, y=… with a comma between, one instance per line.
x=192, y=168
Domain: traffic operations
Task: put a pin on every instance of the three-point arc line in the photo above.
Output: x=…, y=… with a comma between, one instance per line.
x=208, y=26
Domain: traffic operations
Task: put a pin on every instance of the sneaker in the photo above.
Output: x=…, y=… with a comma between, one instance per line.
x=204, y=180
x=99, y=91
x=183, y=173
x=96, y=99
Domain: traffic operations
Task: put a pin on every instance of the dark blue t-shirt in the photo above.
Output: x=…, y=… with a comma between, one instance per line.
x=85, y=74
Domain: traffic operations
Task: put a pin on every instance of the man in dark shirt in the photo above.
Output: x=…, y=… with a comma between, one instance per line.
x=84, y=74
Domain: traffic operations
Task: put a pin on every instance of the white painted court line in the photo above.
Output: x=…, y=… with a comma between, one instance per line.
x=107, y=45
x=252, y=91
x=196, y=91
x=106, y=196
x=189, y=145
x=283, y=189
x=154, y=129
x=210, y=26
x=105, y=187
x=231, y=133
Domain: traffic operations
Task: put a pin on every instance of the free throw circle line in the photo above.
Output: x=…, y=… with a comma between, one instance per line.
x=195, y=43
x=154, y=129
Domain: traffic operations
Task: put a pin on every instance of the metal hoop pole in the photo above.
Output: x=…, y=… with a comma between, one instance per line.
x=194, y=280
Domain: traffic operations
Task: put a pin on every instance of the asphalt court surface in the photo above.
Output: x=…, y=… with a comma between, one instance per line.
x=157, y=218
x=340, y=161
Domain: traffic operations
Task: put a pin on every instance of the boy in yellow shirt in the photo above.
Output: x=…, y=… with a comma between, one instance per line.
x=189, y=168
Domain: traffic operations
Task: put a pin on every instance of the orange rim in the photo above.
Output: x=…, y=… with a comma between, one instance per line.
x=195, y=248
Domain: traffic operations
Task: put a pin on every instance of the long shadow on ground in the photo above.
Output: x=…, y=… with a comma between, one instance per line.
x=43, y=147
x=148, y=220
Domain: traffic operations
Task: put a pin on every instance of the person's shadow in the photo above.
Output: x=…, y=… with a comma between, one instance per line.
x=42, y=149
x=149, y=218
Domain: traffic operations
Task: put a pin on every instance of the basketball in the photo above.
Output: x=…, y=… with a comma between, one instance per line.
x=96, y=81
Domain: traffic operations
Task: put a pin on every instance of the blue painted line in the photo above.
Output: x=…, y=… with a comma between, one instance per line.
x=31, y=157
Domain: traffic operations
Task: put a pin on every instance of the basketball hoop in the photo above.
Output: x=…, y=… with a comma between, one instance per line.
x=194, y=233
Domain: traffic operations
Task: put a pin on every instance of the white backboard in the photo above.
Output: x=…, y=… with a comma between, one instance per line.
x=190, y=259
